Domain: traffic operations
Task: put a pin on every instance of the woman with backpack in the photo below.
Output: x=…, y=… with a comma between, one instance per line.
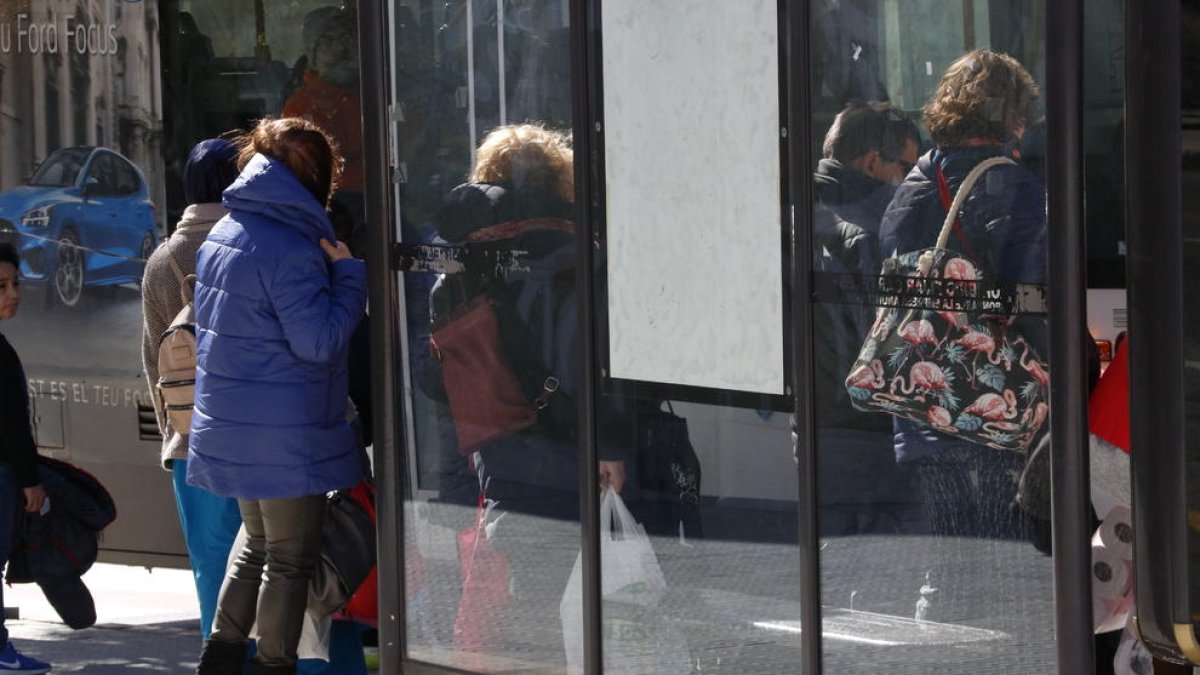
x=277, y=300
x=209, y=522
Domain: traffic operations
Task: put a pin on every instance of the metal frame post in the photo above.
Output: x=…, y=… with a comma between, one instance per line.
x=1067, y=277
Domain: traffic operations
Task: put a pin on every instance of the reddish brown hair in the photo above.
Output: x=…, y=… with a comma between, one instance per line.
x=303, y=147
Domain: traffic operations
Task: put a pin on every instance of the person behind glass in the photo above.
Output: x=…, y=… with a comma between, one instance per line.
x=19, y=486
x=210, y=522
x=868, y=151
x=277, y=299
x=328, y=96
x=519, y=198
x=980, y=109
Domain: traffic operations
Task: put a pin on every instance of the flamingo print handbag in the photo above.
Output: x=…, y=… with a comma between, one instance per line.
x=936, y=356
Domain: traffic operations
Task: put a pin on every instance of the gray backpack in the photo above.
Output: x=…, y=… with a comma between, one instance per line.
x=177, y=356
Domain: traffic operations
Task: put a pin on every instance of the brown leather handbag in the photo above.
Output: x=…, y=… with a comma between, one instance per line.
x=486, y=398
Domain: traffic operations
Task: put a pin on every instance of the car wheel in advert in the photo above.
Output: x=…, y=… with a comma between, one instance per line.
x=68, y=275
x=145, y=251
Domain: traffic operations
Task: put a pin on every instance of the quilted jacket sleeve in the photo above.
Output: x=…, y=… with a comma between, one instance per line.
x=319, y=308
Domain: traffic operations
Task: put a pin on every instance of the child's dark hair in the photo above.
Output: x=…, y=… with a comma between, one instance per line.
x=8, y=254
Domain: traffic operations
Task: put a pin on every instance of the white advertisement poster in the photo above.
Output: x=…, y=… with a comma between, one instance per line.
x=692, y=181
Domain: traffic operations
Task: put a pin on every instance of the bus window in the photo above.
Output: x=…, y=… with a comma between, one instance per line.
x=233, y=66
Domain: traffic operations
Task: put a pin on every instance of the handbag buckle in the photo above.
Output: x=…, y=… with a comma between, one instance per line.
x=548, y=388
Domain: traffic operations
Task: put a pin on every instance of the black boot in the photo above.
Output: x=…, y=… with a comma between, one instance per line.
x=260, y=669
x=221, y=658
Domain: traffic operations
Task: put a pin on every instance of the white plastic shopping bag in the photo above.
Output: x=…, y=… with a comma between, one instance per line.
x=636, y=638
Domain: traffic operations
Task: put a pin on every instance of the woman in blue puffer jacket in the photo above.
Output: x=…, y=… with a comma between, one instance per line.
x=276, y=304
x=980, y=109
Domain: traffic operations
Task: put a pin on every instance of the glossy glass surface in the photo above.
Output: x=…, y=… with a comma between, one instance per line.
x=929, y=561
x=492, y=511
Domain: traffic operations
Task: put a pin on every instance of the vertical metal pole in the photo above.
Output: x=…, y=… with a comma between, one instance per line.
x=501, y=82
x=471, y=77
x=799, y=132
x=1067, y=277
x=585, y=82
x=384, y=299
x=1157, y=374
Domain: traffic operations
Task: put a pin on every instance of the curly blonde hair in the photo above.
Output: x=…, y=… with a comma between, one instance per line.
x=984, y=94
x=527, y=155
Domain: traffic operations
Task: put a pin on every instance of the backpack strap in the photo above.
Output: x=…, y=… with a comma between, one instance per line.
x=186, y=281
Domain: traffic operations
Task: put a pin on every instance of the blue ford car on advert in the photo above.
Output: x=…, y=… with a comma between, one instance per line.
x=83, y=219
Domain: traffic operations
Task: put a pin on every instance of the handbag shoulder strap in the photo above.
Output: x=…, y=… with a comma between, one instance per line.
x=961, y=196
x=944, y=193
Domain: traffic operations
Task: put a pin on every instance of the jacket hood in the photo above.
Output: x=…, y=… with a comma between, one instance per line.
x=474, y=206
x=269, y=188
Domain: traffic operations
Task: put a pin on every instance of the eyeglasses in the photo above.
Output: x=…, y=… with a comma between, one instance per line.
x=906, y=165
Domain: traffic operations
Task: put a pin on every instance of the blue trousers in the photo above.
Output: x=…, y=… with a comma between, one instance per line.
x=210, y=523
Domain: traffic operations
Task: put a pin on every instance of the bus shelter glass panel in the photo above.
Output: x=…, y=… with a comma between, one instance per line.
x=700, y=568
x=484, y=183
x=932, y=375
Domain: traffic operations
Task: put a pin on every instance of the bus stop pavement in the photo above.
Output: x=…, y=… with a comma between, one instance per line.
x=147, y=621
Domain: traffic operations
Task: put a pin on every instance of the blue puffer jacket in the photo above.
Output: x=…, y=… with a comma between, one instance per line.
x=273, y=322
x=1004, y=219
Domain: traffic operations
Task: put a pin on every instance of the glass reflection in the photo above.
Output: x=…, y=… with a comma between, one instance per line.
x=929, y=557
x=485, y=193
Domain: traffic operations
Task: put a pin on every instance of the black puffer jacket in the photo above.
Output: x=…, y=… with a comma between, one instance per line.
x=57, y=548
x=850, y=206
x=1004, y=221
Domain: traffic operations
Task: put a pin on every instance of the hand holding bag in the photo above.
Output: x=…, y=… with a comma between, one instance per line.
x=935, y=355
x=637, y=637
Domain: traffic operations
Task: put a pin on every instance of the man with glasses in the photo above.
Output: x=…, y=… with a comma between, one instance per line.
x=868, y=151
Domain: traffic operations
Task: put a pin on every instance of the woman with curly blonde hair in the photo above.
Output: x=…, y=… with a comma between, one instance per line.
x=519, y=200
x=980, y=110
x=528, y=155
